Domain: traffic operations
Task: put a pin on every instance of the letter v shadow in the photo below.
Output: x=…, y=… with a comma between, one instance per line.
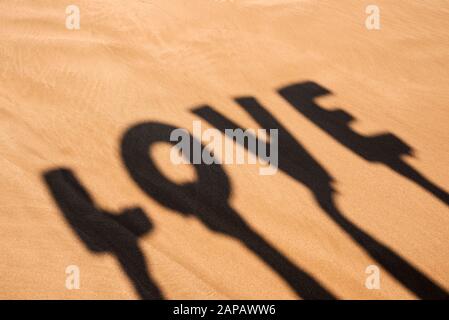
x=102, y=231
x=295, y=161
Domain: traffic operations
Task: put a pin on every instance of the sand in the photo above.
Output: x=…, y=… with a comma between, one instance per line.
x=68, y=97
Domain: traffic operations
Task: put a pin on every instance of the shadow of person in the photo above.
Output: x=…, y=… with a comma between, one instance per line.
x=295, y=161
x=102, y=231
x=207, y=199
x=384, y=148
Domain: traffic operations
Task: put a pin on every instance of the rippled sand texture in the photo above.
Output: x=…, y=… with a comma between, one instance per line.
x=363, y=154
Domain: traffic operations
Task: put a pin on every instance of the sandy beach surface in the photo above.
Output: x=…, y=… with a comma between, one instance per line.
x=363, y=155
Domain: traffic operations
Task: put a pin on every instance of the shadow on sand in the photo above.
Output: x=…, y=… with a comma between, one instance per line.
x=102, y=231
x=386, y=148
x=208, y=200
x=299, y=164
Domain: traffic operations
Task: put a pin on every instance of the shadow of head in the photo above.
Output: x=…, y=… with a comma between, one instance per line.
x=341, y=116
x=135, y=220
x=304, y=91
x=95, y=227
